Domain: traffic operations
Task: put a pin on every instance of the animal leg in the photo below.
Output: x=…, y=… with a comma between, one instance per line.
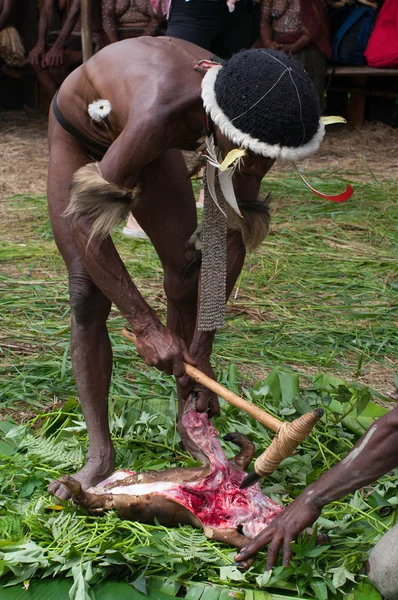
x=229, y=536
x=245, y=456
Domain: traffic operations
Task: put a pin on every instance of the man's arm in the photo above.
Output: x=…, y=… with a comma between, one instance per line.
x=108, y=10
x=142, y=140
x=372, y=456
x=5, y=13
x=54, y=56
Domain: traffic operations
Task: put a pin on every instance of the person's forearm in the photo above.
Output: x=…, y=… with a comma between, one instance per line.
x=301, y=43
x=68, y=26
x=111, y=35
x=109, y=273
x=45, y=18
x=372, y=456
x=109, y=23
x=5, y=13
x=266, y=34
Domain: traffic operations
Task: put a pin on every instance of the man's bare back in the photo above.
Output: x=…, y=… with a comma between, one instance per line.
x=164, y=71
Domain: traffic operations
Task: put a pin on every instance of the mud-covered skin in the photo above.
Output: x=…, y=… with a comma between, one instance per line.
x=207, y=496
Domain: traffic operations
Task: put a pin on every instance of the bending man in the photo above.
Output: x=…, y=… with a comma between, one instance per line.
x=133, y=107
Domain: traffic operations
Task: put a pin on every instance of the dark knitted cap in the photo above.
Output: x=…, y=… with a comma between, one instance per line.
x=264, y=101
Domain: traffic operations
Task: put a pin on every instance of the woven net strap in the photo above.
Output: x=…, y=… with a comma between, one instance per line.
x=285, y=442
x=214, y=261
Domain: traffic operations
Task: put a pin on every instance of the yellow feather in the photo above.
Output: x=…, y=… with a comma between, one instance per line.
x=331, y=120
x=231, y=158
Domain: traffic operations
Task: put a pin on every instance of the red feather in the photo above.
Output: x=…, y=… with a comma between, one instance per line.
x=334, y=197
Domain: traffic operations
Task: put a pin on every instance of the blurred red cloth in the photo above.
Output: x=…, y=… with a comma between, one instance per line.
x=382, y=48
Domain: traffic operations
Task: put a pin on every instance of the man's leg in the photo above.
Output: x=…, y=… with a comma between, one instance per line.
x=167, y=214
x=166, y=211
x=90, y=346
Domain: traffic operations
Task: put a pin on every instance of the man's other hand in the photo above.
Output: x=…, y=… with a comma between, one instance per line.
x=281, y=532
x=206, y=401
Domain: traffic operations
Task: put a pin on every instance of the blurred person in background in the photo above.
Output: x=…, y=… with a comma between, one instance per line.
x=57, y=52
x=12, y=52
x=123, y=19
x=221, y=26
x=299, y=28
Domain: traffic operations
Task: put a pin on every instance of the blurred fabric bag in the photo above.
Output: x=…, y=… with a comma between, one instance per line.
x=351, y=30
x=382, y=49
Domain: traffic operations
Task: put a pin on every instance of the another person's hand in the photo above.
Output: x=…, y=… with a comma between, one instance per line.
x=271, y=45
x=281, y=532
x=54, y=57
x=163, y=349
x=286, y=48
x=36, y=55
x=206, y=400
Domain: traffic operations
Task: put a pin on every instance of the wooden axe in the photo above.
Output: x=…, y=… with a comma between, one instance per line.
x=288, y=435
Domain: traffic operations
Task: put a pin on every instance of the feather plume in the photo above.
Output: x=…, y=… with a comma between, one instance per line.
x=211, y=185
x=333, y=197
x=227, y=188
x=232, y=158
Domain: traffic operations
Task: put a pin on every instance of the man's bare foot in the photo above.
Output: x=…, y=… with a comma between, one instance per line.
x=92, y=473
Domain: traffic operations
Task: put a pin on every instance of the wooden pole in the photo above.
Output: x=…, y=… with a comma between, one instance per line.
x=251, y=409
x=86, y=33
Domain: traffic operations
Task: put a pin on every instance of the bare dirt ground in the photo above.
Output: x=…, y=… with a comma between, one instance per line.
x=367, y=152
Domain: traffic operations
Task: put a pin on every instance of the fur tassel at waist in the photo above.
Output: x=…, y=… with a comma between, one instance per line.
x=104, y=203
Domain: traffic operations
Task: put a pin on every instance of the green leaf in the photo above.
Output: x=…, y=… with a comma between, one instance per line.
x=301, y=404
x=195, y=591
x=115, y=590
x=39, y=590
x=365, y=398
x=263, y=579
x=366, y=591
x=289, y=385
x=320, y=589
x=317, y=551
x=274, y=385
x=233, y=378
x=232, y=573
x=327, y=382
x=80, y=589
x=374, y=410
x=340, y=576
x=140, y=584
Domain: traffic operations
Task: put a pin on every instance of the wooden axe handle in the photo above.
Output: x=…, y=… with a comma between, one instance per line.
x=251, y=409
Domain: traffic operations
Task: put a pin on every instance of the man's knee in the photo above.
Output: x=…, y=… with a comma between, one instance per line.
x=383, y=565
x=88, y=304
